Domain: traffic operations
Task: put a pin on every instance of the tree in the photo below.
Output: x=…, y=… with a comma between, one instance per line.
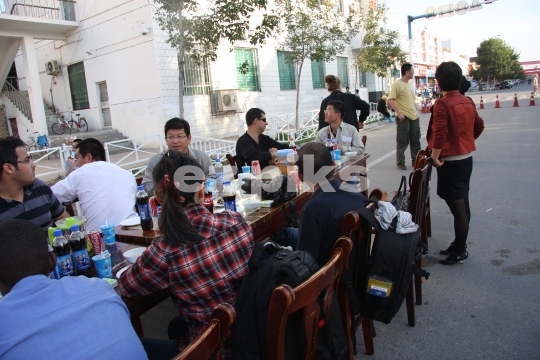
x=379, y=49
x=312, y=30
x=197, y=27
x=495, y=59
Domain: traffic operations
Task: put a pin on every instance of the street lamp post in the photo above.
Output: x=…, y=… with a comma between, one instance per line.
x=431, y=12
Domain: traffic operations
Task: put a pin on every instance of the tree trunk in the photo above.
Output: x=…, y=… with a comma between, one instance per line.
x=181, y=62
x=298, y=98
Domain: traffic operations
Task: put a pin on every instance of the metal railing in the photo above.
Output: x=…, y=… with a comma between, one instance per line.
x=50, y=161
x=43, y=9
x=138, y=150
x=213, y=147
x=18, y=99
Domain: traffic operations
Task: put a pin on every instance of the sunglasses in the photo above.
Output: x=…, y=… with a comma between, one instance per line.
x=263, y=119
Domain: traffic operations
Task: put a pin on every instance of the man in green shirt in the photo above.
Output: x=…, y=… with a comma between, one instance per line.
x=402, y=100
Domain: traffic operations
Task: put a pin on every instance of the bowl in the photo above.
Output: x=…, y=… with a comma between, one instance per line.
x=351, y=154
x=132, y=255
x=251, y=204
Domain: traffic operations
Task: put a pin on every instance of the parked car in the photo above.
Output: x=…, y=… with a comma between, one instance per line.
x=506, y=84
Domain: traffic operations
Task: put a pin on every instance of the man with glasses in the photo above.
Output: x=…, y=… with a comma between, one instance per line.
x=22, y=195
x=344, y=135
x=253, y=145
x=178, y=137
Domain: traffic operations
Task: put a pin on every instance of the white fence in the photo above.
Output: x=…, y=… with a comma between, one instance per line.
x=213, y=147
x=49, y=161
x=134, y=150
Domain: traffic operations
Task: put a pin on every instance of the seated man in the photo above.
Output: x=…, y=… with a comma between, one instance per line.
x=22, y=195
x=105, y=191
x=346, y=136
x=43, y=318
x=178, y=137
x=71, y=161
x=253, y=145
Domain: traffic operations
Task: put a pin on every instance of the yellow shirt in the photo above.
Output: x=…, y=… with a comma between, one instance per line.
x=405, y=97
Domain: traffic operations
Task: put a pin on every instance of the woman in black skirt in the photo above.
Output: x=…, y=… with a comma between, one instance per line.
x=453, y=127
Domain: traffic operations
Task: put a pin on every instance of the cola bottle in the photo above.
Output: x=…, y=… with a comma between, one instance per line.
x=143, y=204
x=208, y=198
x=64, y=261
x=77, y=241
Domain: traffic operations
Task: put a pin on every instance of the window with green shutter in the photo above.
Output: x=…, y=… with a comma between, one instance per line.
x=317, y=74
x=343, y=70
x=286, y=72
x=77, y=85
x=247, y=69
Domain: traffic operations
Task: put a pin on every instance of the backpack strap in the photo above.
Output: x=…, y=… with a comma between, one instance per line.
x=369, y=217
x=258, y=249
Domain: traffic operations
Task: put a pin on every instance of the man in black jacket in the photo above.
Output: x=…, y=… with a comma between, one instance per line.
x=253, y=145
x=352, y=103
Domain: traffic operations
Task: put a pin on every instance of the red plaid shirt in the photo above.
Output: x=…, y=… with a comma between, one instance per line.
x=199, y=277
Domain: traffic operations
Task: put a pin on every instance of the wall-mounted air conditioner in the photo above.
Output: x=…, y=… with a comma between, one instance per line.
x=52, y=67
x=226, y=100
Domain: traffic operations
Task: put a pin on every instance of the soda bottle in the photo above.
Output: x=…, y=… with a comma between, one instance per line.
x=77, y=241
x=64, y=261
x=292, y=145
x=54, y=273
x=208, y=198
x=144, y=209
x=329, y=145
x=229, y=196
x=218, y=169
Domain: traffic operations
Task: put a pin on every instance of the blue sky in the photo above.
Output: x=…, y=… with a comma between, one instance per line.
x=516, y=22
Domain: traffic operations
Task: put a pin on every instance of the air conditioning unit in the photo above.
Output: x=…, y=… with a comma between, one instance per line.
x=52, y=67
x=226, y=100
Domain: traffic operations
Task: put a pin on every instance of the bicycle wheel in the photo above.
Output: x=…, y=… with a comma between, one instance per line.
x=57, y=129
x=72, y=127
x=83, y=125
x=32, y=148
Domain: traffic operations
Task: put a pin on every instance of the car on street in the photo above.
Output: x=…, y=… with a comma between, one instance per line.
x=507, y=84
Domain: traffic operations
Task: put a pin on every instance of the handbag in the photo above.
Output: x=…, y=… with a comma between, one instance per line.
x=402, y=198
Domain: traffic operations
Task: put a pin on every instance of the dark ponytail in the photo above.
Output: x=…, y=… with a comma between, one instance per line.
x=173, y=222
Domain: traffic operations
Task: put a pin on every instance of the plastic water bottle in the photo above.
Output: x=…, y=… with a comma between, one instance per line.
x=64, y=261
x=144, y=209
x=77, y=241
x=218, y=169
x=229, y=196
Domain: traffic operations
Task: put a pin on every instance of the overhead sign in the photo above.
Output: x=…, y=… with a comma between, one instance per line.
x=460, y=8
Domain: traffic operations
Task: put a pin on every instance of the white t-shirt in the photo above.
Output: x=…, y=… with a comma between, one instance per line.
x=105, y=191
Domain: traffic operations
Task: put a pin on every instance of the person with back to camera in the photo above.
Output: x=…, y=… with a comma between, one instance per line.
x=201, y=257
x=383, y=108
x=453, y=128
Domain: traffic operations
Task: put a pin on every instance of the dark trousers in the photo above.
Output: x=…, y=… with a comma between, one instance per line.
x=408, y=132
x=157, y=349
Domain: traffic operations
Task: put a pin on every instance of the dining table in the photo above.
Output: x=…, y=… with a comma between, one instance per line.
x=264, y=222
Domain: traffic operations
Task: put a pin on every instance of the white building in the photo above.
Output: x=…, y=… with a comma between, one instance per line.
x=109, y=61
x=453, y=52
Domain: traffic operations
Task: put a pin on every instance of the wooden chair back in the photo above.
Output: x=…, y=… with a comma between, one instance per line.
x=209, y=343
x=285, y=301
x=232, y=161
x=364, y=140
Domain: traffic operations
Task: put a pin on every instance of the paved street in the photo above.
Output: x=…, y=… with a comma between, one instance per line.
x=488, y=307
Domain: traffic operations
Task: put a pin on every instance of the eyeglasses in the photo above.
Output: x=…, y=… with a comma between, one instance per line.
x=25, y=161
x=177, y=137
x=263, y=119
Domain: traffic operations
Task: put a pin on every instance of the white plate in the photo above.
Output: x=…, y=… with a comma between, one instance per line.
x=132, y=221
x=121, y=271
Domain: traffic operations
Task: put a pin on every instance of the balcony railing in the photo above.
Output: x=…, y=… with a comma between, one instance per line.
x=43, y=9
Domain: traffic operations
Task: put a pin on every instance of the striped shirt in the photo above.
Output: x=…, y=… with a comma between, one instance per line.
x=39, y=205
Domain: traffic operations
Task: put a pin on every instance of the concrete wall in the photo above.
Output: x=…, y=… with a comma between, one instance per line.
x=3, y=122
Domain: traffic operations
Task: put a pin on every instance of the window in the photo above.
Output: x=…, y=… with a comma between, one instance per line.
x=317, y=74
x=343, y=70
x=247, y=76
x=77, y=85
x=286, y=72
x=196, y=76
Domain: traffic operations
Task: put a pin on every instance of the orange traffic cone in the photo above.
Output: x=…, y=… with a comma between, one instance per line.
x=515, y=101
x=531, y=103
x=497, y=103
x=481, y=103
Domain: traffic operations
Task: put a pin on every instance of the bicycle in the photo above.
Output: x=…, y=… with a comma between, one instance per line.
x=38, y=143
x=62, y=126
x=80, y=124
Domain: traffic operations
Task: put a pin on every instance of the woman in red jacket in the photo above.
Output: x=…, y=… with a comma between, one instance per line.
x=453, y=127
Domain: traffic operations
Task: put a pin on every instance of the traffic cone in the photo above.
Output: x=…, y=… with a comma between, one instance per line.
x=481, y=103
x=531, y=103
x=515, y=101
x=497, y=103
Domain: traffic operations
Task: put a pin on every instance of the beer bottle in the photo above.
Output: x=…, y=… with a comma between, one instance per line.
x=77, y=242
x=144, y=209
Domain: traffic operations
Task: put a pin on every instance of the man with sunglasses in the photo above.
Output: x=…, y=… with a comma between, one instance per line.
x=253, y=145
x=22, y=195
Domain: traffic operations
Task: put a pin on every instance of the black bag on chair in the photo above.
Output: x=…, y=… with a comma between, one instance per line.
x=402, y=198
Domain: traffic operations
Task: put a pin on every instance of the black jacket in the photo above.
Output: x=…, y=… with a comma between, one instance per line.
x=382, y=108
x=352, y=103
x=248, y=150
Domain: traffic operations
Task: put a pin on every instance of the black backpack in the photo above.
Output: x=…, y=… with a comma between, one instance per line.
x=270, y=266
x=391, y=261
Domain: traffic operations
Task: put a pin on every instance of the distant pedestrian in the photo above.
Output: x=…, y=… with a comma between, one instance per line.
x=402, y=100
x=535, y=83
x=453, y=127
x=383, y=108
x=357, y=92
x=347, y=91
